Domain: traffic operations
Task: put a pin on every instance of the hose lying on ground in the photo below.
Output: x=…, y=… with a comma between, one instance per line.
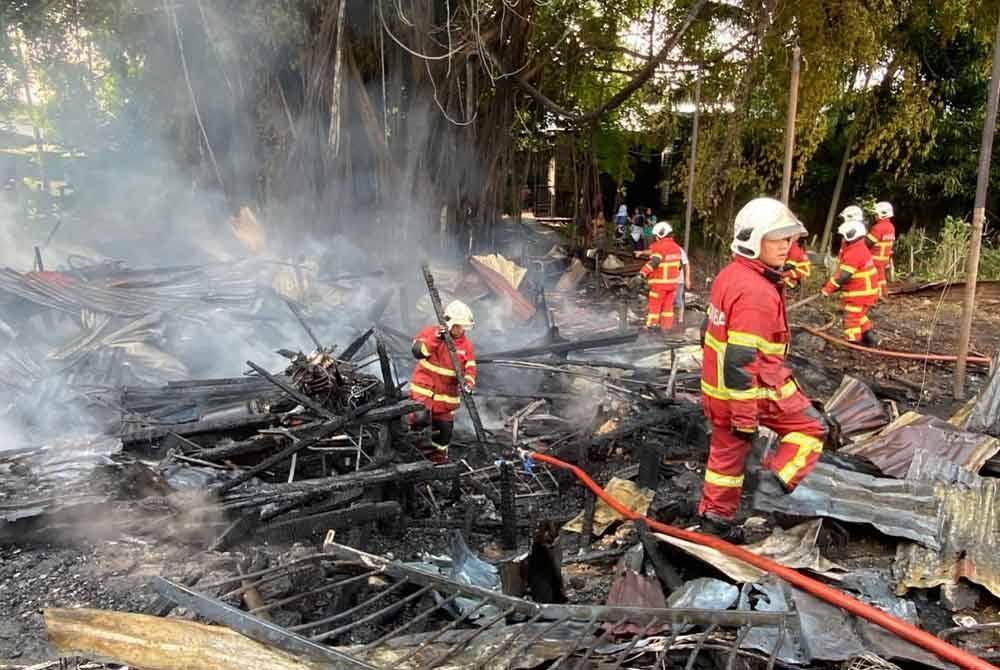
x=910, y=356
x=898, y=627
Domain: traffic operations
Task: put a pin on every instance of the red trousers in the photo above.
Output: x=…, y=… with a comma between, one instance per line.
x=856, y=321
x=660, y=306
x=883, y=285
x=800, y=434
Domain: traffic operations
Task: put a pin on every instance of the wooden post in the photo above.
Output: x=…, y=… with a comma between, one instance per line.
x=694, y=161
x=978, y=215
x=793, y=103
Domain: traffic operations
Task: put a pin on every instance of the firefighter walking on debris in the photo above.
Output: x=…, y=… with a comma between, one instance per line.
x=856, y=278
x=880, y=240
x=664, y=273
x=744, y=382
x=434, y=383
x=798, y=267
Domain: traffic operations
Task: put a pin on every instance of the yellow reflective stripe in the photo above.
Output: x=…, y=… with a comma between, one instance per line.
x=756, y=342
x=420, y=390
x=654, y=294
x=807, y=444
x=424, y=350
x=727, y=481
x=849, y=268
x=860, y=294
x=470, y=364
x=714, y=344
x=867, y=273
x=437, y=368
x=664, y=281
x=656, y=255
x=853, y=308
x=439, y=447
x=451, y=400
x=865, y=320
x=787, y=390
x=666, y=313
x=470, y=378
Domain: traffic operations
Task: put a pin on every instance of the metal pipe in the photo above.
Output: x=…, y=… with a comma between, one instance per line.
x=978, y=215
x=793, y=103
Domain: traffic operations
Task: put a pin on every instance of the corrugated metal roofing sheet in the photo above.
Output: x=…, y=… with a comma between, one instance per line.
x=970, y=530
x=892, y=449
x=899, y=508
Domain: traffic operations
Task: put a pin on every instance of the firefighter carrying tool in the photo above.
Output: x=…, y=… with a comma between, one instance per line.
x=663, y=273
x=856, y=278
x=798, y=267
x=434, y=384
x=744, y=382
x=880, y=240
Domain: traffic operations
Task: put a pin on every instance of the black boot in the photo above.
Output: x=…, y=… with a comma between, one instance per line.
x=869, y=340
x=724, y=529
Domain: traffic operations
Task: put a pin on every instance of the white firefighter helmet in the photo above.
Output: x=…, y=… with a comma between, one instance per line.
x=763, y=218
x=457, y=313
x=662, y=229
x=852, y=214
x=852, y=230
x=883, y=210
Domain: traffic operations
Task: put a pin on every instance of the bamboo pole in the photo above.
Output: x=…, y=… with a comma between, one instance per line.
x=694, y=161
x=793, y=103
x=978, y=215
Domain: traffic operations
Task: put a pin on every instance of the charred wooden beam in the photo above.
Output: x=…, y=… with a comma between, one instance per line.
x=355, y=346
x=149, y=435
x=559, y=348
x=300, y=398
x=302, y=322
x=298, y=528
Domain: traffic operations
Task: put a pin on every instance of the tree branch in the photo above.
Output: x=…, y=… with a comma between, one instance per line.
x=626, y=92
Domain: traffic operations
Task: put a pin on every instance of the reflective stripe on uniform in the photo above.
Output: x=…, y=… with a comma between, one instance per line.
x=420, y=390
x=786, y=391
x=726, y=481
x=756, y=342
x=806, y=444
x=437, y=369
x=426, y=392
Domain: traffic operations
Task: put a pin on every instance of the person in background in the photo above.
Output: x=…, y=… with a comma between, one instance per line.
x=638, y=223
x=621, y=220
x=856, y=278
x=647, y=230
x=663, y=274
x=434, y=384
x=798, y=267
x=880, y=240
x=744, y=381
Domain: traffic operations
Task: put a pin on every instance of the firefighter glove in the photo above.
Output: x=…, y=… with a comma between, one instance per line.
x=441, y=331
x=637, y=283
x=469, y=387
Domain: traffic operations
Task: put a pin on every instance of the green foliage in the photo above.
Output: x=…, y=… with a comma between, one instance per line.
x=943, y=257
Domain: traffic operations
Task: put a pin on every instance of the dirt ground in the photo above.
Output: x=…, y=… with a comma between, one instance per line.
x=116, y=574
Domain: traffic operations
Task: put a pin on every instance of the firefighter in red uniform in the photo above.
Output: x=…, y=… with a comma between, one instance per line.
x=798, y=267
x=434, y=384
x=856, y=278
x=880, y=240
x=744, y=381
x=663, y=274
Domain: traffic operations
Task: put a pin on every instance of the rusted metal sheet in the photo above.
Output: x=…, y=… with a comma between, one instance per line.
x=856, y=408
x=898, y=508
x=523, y=309
x=892, y=449
x=971, y=515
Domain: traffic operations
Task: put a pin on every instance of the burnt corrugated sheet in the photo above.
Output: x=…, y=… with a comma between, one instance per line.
x=856, y=408
x=970, y=529
x=897, y=507
x=891, y=450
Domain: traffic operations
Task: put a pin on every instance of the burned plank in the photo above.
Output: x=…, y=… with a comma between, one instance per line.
x=559, y=347
x=300, y=398
x=297, y=528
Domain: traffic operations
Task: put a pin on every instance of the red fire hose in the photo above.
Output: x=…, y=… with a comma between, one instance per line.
x=898, y=627
x=981, y=360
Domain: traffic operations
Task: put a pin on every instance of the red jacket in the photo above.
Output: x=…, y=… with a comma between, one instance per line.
x=880, y=240
x=664, y=266
x=433, y=382
x=746, y=340
x=857, y=275
x=798, y=267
